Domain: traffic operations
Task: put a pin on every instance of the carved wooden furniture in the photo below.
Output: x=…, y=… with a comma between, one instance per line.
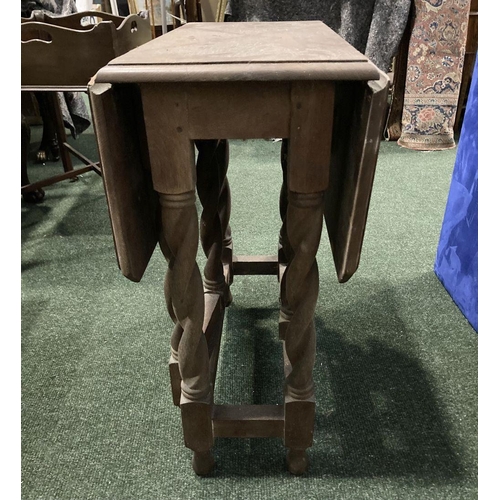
x=200, y=85
x=62, y=54
x=471, y=46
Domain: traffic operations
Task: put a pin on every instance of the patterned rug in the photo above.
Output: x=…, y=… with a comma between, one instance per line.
x=435, y=63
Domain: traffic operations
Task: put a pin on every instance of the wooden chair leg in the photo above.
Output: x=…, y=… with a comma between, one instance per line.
x=57, y=119
x=25, y=141
x=49, y=146
x=53, y=145
x=37, y=195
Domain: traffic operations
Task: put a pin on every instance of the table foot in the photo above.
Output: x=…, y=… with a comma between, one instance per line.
x=297, y=461
x=203, y=462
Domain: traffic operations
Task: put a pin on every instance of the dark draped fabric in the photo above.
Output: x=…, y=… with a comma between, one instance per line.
x=374, y=27
x=61, y=7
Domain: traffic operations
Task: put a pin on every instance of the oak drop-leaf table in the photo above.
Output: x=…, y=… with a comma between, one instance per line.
x=199, y=86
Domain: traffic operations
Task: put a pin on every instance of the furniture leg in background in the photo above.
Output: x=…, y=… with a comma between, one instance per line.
x=49, y=146
x=36, y=195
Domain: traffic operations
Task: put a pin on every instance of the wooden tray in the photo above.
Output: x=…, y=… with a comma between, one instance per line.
x=59, y=53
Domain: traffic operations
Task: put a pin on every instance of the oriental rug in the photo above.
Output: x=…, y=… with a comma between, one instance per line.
x=435, y=64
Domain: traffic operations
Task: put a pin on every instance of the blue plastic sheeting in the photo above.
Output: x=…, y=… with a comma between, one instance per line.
x=456, y=263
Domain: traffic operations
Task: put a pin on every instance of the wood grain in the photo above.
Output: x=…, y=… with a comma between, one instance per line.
x=261, y=51
x=229, y=43
x=248, y=421
x=359, y=117
x=132, y=202
x=171, y=150
x=310, y=136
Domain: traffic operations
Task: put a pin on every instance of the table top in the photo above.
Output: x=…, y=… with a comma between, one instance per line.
x=295, y=50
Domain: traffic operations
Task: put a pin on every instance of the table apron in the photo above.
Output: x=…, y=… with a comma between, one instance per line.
x=176, y=114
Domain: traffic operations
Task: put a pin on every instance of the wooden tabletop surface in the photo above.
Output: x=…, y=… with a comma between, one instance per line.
x=297, y=50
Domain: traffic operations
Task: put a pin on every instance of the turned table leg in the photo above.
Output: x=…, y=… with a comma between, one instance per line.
x=185, y=304
x=36, y=195
x=224, y=208
x=299, y=296
x=213, y=191
x=305, y=164
x=173, y=170
x=284, y=251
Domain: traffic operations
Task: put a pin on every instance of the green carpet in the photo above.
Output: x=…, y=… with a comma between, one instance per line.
x=396, y=367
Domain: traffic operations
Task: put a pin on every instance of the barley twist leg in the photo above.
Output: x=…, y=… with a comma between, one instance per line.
x=185, y=304
x=300, y=284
